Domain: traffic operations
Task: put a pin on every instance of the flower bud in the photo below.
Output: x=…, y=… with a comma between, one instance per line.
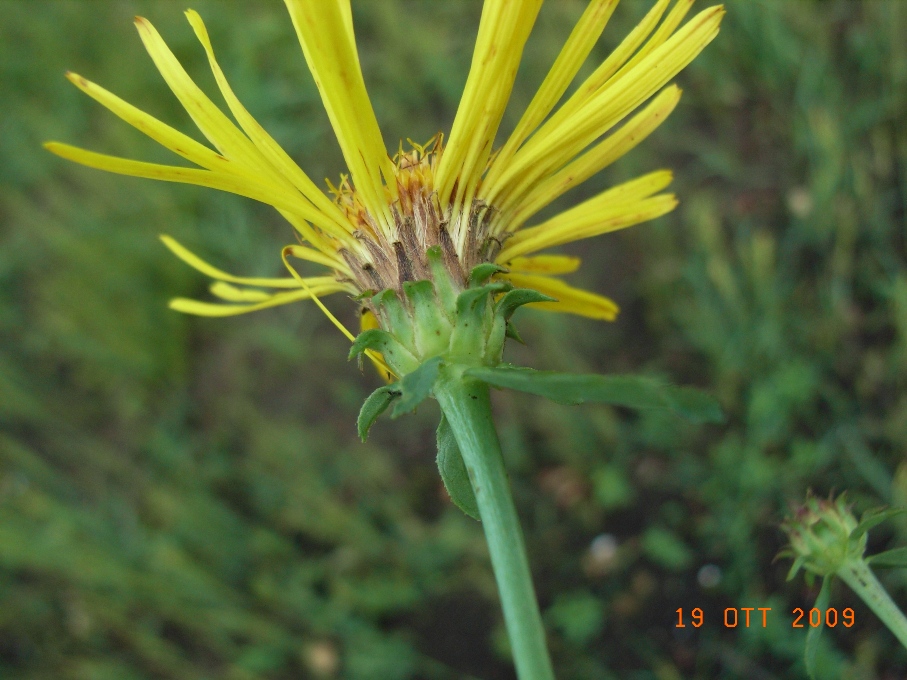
x=821, y=534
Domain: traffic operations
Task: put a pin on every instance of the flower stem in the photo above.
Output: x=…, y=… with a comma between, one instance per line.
x=467, y=407
x=858, y=575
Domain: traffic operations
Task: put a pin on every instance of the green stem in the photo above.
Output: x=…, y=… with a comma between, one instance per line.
x=864, y=583
x=466, y=406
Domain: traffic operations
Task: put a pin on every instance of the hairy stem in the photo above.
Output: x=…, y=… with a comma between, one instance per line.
x=858, y=575
x=467, y=407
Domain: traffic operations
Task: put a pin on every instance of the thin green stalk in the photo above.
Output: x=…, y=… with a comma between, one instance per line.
x=858, y=575
x=467, y=407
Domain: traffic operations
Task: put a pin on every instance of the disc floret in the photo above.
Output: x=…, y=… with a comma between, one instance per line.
x=391, y=256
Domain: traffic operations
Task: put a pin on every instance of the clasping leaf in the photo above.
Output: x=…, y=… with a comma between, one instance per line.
x=620, y=390
x=453, y=471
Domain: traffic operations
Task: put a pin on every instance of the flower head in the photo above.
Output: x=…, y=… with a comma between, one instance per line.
x=822, y=535
x=454, y=197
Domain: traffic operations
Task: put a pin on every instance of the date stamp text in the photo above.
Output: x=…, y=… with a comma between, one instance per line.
x=762, y=616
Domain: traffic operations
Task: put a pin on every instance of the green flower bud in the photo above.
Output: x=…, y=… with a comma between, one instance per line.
x=822, y=537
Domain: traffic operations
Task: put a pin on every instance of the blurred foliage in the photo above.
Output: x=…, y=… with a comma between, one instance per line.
x=185, y=498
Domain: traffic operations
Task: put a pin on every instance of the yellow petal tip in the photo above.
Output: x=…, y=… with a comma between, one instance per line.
x=79, y=81
x=143, y=25
x=717, y=11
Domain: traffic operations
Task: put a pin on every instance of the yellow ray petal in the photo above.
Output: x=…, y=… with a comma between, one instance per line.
x=612, y=64
x=371, y=354
x=503, y=30
x=514, y=181
x=542, y=264
x=318, y=257
x=555, y=144
x=668, y=26
x=329, y=239
x=212, y=122
x=600, y=156
x=199, y=264
x=575, y=51
x=570, y=300
x=324, y=30
x=199, y=308
x=231, y=293
x=305, y=285
x=269, y=148
x=243, y=185
x=160, y=132
x=622, y=206
x=563, y=231
x=346, y=10
x=611, y=103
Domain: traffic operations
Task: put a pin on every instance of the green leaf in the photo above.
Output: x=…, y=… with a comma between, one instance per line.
x=375, y=404
x=872, y=518
x=518, y=297
x=620, y=390
x=693, y=404
x=889, y=558
x=484, y=271
x=453, y=471
x=416, y=386
x=812, y=637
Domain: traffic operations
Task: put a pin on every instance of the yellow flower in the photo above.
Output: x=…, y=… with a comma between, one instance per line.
x=455, y=194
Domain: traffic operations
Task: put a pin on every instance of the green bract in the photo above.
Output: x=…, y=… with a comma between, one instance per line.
x=439, y=319
x=824, y=536
x=440, y=329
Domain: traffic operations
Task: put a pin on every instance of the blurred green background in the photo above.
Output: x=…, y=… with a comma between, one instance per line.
x=186, y=498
